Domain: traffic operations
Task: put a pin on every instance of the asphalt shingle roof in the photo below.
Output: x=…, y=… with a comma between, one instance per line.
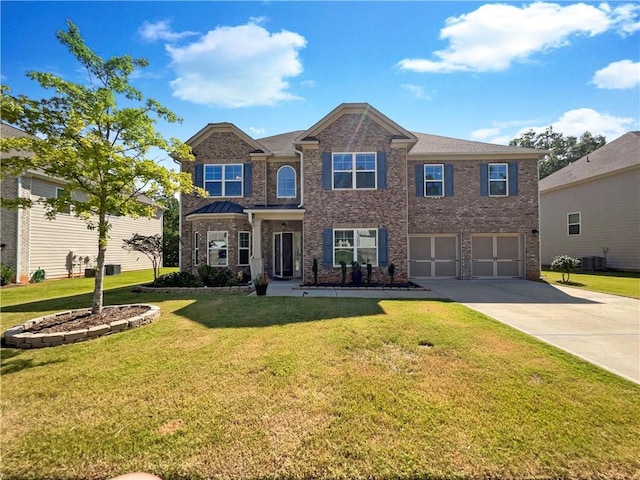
x=619, y=154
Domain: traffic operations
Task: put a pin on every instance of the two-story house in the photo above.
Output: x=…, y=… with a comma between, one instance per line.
x=357, y=186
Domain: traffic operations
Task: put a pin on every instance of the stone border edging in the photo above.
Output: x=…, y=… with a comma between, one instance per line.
x=364, y=289
x=235, y=289
x=20, y=336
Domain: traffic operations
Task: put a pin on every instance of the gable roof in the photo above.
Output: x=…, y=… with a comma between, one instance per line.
x=281, y=145
x=363, y=109
x=621, y=154
x=225, y=127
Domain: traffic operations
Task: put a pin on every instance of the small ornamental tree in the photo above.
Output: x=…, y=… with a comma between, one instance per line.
x=95, y=136
x=150, y=245
x=566, y=265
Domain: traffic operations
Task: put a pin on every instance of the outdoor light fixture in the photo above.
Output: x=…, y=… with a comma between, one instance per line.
x=535, y=232
x=283, y=225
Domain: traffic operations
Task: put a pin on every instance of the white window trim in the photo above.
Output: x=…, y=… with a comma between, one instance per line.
x=226, y=257
x=506, y=179
x=424, y=174
x=571, y=224
x=223, y=181
x=196, y=248
x=247, y=248
x=355, y=244
x=295, y=182
x=354, y=171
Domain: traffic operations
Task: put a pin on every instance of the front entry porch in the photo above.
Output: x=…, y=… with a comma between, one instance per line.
x=277, y=241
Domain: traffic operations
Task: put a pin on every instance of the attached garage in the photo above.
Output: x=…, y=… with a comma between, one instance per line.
x=496, y=256
x=434, y=256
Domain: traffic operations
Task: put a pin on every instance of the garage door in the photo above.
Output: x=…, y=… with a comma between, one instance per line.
x=433, y=256
x=496, y=256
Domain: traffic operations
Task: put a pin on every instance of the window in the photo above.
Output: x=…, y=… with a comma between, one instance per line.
x=223, y=180
x=355, y=245
x=434, y=180
x=244, y=246
x=196, y=248
x=286, y=182
x=498, y=180
x=217, y=248
x=573, y=223
x=354, y=171
x=60, y=193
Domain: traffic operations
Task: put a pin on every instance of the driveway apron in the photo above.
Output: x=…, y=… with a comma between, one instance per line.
x=600, y=328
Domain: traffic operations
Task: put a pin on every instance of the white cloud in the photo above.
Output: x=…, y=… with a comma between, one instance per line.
x=573, y=122
x=418, y=91
x=618, y=75
x=256, y=131
x=237, y=66
x=576, y=122
x=161, y=30
x=494, y=36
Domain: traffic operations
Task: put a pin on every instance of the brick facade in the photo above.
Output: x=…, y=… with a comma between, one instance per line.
x=395, y=208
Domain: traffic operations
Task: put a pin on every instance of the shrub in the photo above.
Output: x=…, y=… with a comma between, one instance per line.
x=392, y=272
x=178, y=279
x=566, y=265
x=7, y=274
x=217, y=277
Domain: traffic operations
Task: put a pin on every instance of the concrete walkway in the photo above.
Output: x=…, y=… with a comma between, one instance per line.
x=600, y=328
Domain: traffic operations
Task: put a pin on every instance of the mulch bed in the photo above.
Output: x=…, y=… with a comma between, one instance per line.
x=79, y=320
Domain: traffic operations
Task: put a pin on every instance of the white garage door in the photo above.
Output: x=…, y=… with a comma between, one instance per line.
x=496, y=256
x=433, y=256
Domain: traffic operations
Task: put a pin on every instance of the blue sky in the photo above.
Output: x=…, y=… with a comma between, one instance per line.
x=471, y=70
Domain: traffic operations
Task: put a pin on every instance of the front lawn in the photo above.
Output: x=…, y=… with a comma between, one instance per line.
x=228, y=386
x=626, y=284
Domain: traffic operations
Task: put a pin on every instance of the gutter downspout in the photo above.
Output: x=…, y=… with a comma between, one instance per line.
x=18, y=232
x=301, y=174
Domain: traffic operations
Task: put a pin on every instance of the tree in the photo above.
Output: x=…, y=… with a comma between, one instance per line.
x=83, y=136
x=151, y=245
x=562, y=150
x=566, y=265
x=171, y=232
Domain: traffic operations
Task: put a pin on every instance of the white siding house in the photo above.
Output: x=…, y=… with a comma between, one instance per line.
x=64, y=246
x=591, y=208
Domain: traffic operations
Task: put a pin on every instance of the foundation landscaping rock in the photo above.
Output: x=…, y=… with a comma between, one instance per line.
x=78, y=325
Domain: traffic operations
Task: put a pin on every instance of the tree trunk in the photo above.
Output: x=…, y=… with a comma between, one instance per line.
x=103, y=235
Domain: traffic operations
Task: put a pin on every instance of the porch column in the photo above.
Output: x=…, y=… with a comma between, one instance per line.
x=257, y=266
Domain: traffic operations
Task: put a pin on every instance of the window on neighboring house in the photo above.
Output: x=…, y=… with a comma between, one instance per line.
x=286, y=182
x=244, y=247
x=59, y=193
x=217, y=248
x=498, y=180
x=355, y=245
x=354, y=171
x=223, y=180
x=196, y=248
x=434, y=180
x=573, y=223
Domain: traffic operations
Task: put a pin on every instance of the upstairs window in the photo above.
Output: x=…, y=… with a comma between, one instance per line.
x=60, y=193
x=354, y=171
x=573, y=223
x=498, y=180
x=434, y=180
x=286, y=182
x=223, y=180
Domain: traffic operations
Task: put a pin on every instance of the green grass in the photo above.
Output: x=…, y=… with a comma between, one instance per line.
x=228, y=386
x=626, y=284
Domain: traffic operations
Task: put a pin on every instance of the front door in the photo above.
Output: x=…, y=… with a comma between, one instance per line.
x=283, y=259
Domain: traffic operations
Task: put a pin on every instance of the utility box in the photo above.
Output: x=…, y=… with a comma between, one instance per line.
x=112, y=269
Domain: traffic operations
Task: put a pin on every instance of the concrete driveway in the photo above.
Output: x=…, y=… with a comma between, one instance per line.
x=600, y=328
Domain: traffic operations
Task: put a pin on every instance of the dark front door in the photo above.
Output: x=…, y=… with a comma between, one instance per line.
x=283, y=254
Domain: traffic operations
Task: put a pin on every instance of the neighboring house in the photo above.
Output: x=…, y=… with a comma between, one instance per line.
x=357, y=186
x=64, y=246
x=591, y=208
